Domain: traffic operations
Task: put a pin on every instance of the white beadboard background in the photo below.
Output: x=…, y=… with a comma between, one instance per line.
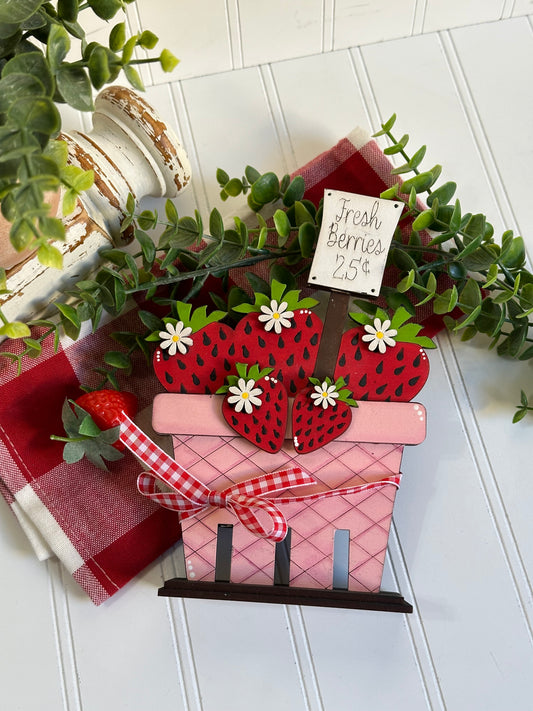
x=272, y=84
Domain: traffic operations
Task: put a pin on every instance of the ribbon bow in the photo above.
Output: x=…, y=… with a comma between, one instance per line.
x=190, y=496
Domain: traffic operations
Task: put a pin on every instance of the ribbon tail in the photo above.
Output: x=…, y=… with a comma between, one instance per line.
x=244, y=512
x=147, y=486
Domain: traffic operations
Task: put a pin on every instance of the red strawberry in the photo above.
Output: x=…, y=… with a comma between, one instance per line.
x=280, y=332
x=106, y=407
x=196, y=353
x=92, y=425
x=384, y=359
x=256, y=406
x=320, y=414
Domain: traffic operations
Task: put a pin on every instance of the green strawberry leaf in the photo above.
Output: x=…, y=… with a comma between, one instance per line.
x=73, y=452
x=88, y=427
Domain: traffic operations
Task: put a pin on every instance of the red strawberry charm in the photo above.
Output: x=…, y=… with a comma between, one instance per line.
x=92, y=425
x=384, y=359
x=320, y=414
x=256, y=406
x=195, y=353
x=280, y=332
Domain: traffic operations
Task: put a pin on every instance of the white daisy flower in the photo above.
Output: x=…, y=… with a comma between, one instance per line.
x=325, y=395
x=244, y=395
x=276, y=317
x=380, y=335
x=176, y=338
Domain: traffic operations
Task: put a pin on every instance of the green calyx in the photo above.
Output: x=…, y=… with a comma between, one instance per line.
x=196, y=319
x=85, y=439
x=406, y=332
x=344, y=394
x=280, y=294
x=247, y=373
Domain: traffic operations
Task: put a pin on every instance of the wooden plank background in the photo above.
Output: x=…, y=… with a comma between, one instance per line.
x=273, y=84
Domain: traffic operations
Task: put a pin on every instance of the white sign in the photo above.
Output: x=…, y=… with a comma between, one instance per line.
x=354, y=241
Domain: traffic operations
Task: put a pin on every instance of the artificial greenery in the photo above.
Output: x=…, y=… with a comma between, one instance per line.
x=478, y=285
x=38, y=71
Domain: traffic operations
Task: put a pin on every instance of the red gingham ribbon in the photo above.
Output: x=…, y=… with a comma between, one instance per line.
x=189, y=496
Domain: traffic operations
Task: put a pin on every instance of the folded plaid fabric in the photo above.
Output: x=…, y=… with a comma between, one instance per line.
x=95, y=522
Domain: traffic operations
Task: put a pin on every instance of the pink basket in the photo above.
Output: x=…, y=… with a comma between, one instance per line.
x=369, y=451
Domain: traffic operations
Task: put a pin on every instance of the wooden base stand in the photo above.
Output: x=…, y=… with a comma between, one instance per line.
x=283, y=594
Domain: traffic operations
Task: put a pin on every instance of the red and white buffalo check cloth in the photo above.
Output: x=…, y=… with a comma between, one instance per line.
x=98, y=525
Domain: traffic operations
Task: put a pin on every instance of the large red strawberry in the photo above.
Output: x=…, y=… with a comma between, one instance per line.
x=280, y=332
x=320, y=414
x=195, y=353
x=256, y=406
x=384, y=359
x=92, y=424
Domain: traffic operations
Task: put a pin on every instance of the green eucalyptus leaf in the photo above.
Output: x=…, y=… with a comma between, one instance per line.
x=251, y=174
x=295, y=191
x=423, y=220
x=134, y=78
x=105, y=9
x=265, y=189
x=75, y=87
x=98, y=66
x=443, y=193
x=37, y=114
x=306, y=239
x=14, y=11
x=420, y=183
x=216, y=224
x=446, y=302
x=57, y=46
x=15, y=329
x=147, y=40
x=31, y=63
x=117, y=359
x=168, y=61
x=515, y=255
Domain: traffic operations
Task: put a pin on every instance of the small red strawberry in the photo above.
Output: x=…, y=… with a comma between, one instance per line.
x=195, y=353
x=256, y=406
x=280, y=332
x=320, y=414
x=384, y=359
x=92, y=424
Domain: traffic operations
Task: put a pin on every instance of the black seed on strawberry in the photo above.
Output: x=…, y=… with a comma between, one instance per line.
x=281, y=342
x=255, y=420
x=363, y=381
x=290, y=360
x=306, y=354
x=342, y=360
x=199, y=360
x=416, y=361
x=235, y=420
x=261, y=341
x=310, y=421
x=309, y=321
x=272, y=446
x=247, y=328
x=258, y=437
x=231, y=349
x=346, y=379
x=331, y=430
x=268, y=397
x=227, y=364
x=301, y=373
x=298, y=418
x=277, y=406
x=414, y=380
x=379, y=368
x=280, y=395
x=364, y=397
x=355, y=339
x=292, y=388
x=165, y=355
x=381, y=389
x=345, y=414
x=400, y=354
x=246, y=429
x=358, y=354
x=307, y=432
x=183, y=389
x=398, y=371
x=268, y=416
x=213, y=375
x=206, y=340
x=245, y=352
x=399, y=390
x=181, y=365
x=264, y=429
x=298, y=432
x=279, y=422
x=222, y=334
x=314, y=339
x=311, y=442
x=320, y=427
x=169, y=378
x=276, y=434
x=298, y=337
x=271, y=360
x=195, y=379
x=320, y=439
x=207, y=390
x=340, y=426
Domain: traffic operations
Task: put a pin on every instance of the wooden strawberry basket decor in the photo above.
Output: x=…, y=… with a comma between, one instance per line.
x=288, y=434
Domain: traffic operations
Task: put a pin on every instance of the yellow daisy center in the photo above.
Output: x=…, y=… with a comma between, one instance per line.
x=380, y=334
x=175, y=338
x=244, y=396
x=275, y=315
x=324, y=394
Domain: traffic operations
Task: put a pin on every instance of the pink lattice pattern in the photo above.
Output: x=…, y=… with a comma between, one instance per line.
x=223, y=460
